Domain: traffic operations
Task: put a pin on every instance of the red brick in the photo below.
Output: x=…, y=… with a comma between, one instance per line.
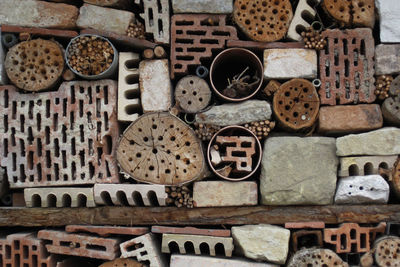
x=195, y=38
x=39, y=31
x=190, y=231
x=107, y=230
x=313, y=236
x=346, y=67
x=300, y=225
x=349, y=119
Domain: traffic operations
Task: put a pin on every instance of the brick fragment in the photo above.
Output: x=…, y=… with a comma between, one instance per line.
x=201, y=261
x=349, y=119
x=59, y=197
x=65, y=137
x=301, y=225
x=346, y=67
x=387, y=59
x=39, y=31
x=168, y=240
x=190, y=231
x=367, y=165
x=59, y=242
x=107, y=230
x=195, y=38
x=306, y=238
x=130, y=194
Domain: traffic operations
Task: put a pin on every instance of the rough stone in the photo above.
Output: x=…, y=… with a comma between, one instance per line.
x=196, y=261
x=297, y=170
x=155, y=85
x=370, y=189
x=262, y=242
x=387, y=57
x=224, y=193
x=290, y=63
x=342, y=119
x=385, y=141
x=117, y=21
x=388, y=11
x=30, y=13
x=202, y=6
x=236, y=114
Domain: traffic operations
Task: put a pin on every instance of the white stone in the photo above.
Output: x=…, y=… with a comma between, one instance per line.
x=370, y=189
x=298, y=22
x=203, y=6
x=104, y=19
x=203, y=261
x=385, y=141
x=389, y=18
x=155, y=85
x=262, y=242
x=290, y=63
x=236, y=113
x=387, y=58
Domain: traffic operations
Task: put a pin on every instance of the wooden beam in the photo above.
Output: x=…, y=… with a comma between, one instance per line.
x=197, y=216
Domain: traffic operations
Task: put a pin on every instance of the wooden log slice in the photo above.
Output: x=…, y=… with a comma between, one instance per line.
x=296, y=104
x=192, y=93
x=263, y=20
x=396, y=178
x=34, y=65
x=159, y=148
x=387, y=251
x=351, y=12
x=316, y=257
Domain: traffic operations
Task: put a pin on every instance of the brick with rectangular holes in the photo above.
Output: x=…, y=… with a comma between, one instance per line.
x=64, y=137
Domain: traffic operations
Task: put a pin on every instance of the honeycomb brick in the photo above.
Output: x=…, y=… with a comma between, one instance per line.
x=65, y=137
x=130, y=194
x=59, y=197
x=306, y=238
x=156, y=18
x=107, y=230
x=195, y=37
x=346, y=67
x=190, y=231
x=145, y=249
x=367, y=165
x=59, y=242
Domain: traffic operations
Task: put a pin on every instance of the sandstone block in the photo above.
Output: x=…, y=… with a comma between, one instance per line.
x=196, y=261
x=387, y=59
x=190, y=231
x=385, y=141
x=299, y=22
x=107, y=230
x=388, y=11
x=349, y=119
x=298, y=171
x=224, y=193
x=262, y=242
x=117, y=21
x=353, y=166
x=236, y=113
x=202, y=6
x=290, y=63
x=155, y=85
x=370, y=189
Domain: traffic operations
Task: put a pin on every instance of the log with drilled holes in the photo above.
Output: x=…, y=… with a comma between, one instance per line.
x=386, y=250
x=159, y=148
x=192, y=93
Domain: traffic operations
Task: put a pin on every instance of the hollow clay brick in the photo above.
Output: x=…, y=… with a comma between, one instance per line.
x=367, y=165
x=107, y=230
x=190, y=231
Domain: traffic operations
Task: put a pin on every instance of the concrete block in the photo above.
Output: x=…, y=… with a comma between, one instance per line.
x=190, y=231
x=201, y=261
x=155, y=85
x=388, y=11
x=59, y=197
x=304, y=11
x=202, y=6
x=224, y=193
x=181, y=241
x=129, y=106
x=130, y=194
x=387, y=59
x=107, y=230
x=353, y=166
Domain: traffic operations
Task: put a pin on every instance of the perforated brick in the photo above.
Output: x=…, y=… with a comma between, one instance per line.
x=367, y=165
x=66, y=137
x=195, y=38
x=107, y=230
x=59, y=197
x=346, y=67
x=59, y=242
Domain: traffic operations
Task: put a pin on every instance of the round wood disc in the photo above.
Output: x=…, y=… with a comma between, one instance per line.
x=192, y=93
x=352, y=12
x=263, y=20
x=296, y=104
x=316, y=257
x=159, y=148
x=34, y=65
x=386, y=251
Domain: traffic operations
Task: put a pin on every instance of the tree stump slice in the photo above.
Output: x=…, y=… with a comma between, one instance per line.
x=192, y=93
x=296, y=104
x=159, y=148
x=386, y=251
x=351, y=12
x=316, y=257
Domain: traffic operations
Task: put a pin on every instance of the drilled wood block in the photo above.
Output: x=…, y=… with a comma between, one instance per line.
x=352, y=12
x=59, y=197
x=346, y=67
x=190, y=231
x=59, y=242
x=159, y=148
x=130, y=194
x=367, y=165
x=264, y=21
x=192, y=94
x=65, y=137
x=107, y=230
x=195, y=38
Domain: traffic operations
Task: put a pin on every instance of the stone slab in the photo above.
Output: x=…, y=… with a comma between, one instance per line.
x=190, y=231
x=388, y=11
x=387, y=57
x=201, y=261
x=202, y=6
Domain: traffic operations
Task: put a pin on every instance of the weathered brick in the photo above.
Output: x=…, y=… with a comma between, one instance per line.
x=130, y=194
x=39, y=31
x=353, y=166
x=59, y=242
x=195, y=38
x=202, y=6
x=201, y=261
x=59, y=197
x=107, y=230
x=65, y=137
x=387, y=59
x=196, y=240
x=129, y=106
x=145, y=248
x=221, y=193
x=306, y=238
x=190, y=231
x=349, y=119
x=301, y=225
x=299, y=23
x=346, y=67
